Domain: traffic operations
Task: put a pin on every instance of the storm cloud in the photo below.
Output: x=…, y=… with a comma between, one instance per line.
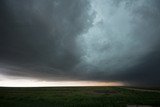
x=97, y=40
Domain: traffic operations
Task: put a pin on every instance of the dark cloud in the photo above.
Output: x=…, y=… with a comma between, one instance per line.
x=42, y=32
x=98, y=40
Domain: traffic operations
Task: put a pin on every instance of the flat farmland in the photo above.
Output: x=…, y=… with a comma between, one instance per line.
x=78, y=97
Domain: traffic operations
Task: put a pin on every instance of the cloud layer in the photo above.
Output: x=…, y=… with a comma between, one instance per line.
x=99, y=40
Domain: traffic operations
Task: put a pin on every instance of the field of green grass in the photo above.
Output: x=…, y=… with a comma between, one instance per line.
x=76, y=97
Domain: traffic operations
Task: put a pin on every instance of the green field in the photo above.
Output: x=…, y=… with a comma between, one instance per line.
x=77, y=97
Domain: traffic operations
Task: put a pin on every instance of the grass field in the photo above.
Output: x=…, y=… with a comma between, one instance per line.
x=77, y=97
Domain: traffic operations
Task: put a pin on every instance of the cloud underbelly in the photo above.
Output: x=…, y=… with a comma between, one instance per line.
x=117, y=39
x=109, y=40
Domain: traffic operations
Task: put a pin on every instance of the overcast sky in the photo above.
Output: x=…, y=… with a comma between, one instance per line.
x=86, y=40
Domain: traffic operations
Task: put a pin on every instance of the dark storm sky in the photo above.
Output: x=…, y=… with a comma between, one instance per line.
x=99, y=40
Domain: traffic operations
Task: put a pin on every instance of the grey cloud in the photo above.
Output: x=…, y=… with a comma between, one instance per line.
x=43, y=31
x=100, y=40
x=122, y=42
